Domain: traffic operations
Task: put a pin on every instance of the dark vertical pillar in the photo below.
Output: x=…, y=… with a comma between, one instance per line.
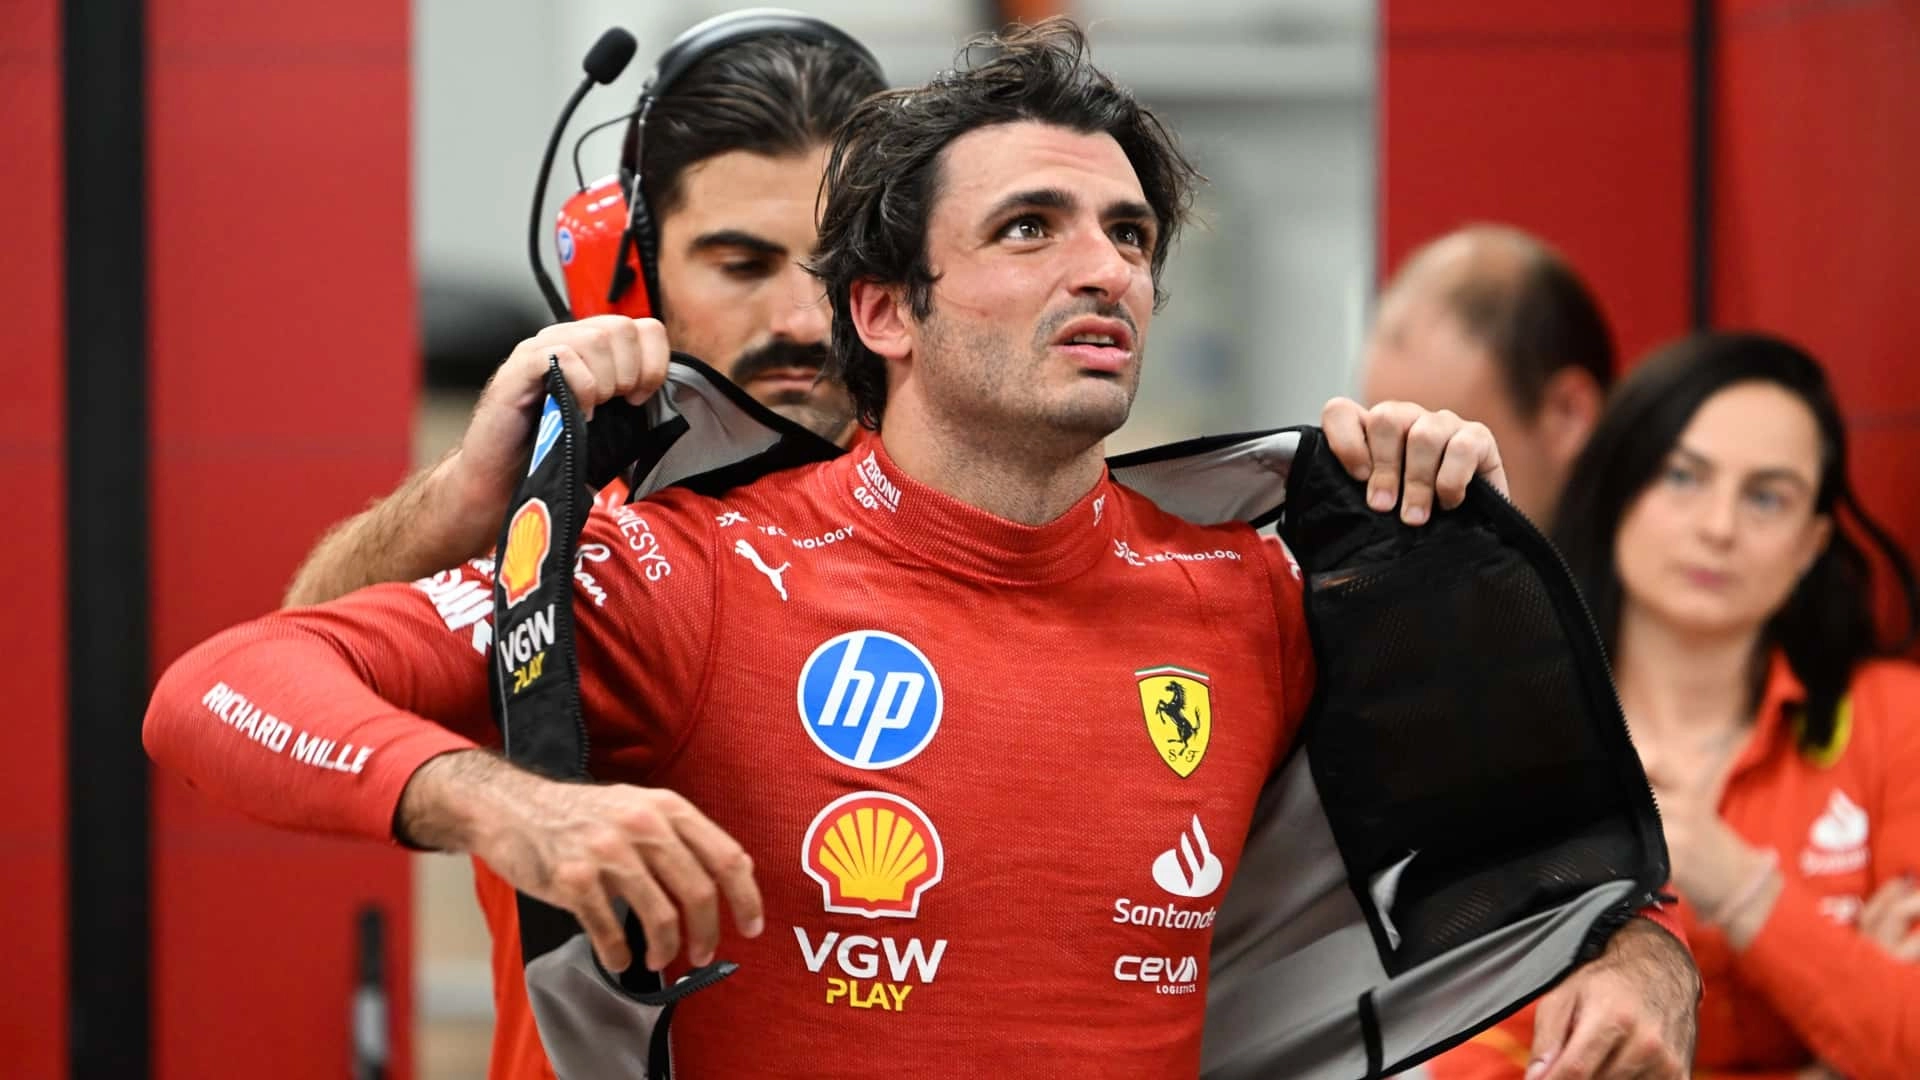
x=109, y=1019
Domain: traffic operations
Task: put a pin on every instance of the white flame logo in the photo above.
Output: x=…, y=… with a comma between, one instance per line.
x=1843, y=827
x=1191, y=870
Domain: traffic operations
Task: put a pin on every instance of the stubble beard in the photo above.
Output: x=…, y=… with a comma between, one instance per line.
x=985, y=383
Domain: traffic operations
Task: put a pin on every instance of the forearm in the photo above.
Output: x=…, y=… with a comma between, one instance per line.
x=1855, y=1006
x=1656, y=954
x=419, y=529
x=271, y=719
x=456, y=802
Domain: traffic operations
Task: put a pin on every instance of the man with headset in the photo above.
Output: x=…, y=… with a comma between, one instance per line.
x=739, y=114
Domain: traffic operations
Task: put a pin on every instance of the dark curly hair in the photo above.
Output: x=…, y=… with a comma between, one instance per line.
x=883, y=175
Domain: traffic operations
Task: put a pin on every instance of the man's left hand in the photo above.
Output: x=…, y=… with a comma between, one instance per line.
x=1631, y=1014
x=1409, y=455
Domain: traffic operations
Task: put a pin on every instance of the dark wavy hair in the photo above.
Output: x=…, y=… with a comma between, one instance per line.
x=773, y=95
x=884, y=172
x=1826, y=628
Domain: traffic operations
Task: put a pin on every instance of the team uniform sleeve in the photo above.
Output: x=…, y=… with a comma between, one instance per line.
x=1667, y=917
x=315, y=718
x=1857, y=1007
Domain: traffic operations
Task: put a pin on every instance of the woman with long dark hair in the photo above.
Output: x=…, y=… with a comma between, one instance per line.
x=1711, y=525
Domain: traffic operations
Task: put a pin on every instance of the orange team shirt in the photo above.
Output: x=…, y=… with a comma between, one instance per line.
x=1809, y=987
x=1051, y=716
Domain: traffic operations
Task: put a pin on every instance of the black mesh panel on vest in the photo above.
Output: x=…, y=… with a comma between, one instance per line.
x=1401, y=788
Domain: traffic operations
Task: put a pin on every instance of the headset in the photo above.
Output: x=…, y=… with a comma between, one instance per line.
x=605, y=236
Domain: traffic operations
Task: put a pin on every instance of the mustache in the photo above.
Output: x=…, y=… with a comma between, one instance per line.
x=1052, y=324
x=777, y=355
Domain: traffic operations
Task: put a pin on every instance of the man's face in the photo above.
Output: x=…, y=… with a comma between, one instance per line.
x=736, y=292
x=1041, y=240
x=1418, y=351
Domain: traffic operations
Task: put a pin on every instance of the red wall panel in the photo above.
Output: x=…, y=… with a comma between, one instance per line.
x=1817, y=228
x=1569, y=120
x=1530, y=19
x=33, y=790
x=284, y=372
x=1817, y=224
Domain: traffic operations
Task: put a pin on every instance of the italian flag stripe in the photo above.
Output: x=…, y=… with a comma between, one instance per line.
x=1170, y=669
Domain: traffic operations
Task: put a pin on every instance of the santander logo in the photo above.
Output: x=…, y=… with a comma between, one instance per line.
x=1838, y=839
x=1843, y=826
x=1192, y=869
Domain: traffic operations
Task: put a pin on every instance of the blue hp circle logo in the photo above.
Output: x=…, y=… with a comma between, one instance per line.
x=564, y=242
x=869, y=699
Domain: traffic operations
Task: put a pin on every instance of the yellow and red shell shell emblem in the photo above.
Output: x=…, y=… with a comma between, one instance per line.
x=873, y=854
x=529, y=538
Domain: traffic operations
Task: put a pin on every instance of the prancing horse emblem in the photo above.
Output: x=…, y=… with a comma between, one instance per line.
x=1178, y=708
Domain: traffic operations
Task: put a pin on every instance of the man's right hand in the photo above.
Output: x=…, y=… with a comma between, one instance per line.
x=452, y=512
x=581, y=847
x=602, y=358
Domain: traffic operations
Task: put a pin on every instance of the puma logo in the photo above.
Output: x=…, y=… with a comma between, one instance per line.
x=745, y=551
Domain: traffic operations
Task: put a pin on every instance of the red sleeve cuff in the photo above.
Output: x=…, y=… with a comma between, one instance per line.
x=388, y=770
x=1667, y=917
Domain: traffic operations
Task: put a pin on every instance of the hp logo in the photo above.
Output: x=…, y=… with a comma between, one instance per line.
x=869, y=699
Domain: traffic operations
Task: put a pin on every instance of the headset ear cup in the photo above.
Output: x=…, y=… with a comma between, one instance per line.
x=592, y=236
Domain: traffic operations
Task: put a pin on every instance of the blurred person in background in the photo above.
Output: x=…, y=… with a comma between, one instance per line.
x=734, y=152
x=1707, y=525
x=1492, y=324
x=733, y=156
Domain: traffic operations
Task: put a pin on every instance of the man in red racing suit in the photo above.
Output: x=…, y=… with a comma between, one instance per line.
x=959, y=804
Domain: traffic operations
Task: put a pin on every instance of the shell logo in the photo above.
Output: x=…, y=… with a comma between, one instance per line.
x=529, y=536
x=873, y=854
